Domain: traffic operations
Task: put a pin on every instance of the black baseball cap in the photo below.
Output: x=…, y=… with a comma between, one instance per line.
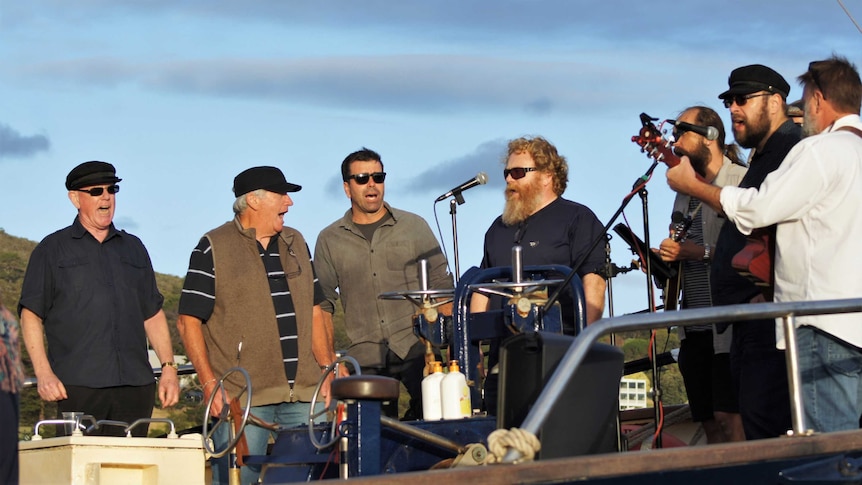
x=754, y=78
x=91, y=173
x=266, y=178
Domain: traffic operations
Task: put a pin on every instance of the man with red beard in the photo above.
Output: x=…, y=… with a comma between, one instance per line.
x=756, y=98
x=549, y=228
x=373, y=249
x=704, y=355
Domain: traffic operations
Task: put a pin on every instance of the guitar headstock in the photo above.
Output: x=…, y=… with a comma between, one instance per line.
x=653, y=143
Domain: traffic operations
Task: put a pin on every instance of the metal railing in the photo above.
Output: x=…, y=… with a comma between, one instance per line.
x=787, y=312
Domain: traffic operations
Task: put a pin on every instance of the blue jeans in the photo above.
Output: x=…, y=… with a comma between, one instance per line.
x=288, y=415
x=831, y=384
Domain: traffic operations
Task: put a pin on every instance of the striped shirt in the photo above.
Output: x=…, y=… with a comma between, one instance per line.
x=198, y=296
x=695, y=279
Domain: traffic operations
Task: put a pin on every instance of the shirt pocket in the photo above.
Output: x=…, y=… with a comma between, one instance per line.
x=400, y=256
x=76, y=274
x=134, y=272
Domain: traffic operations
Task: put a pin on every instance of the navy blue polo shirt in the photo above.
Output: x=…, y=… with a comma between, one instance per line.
x=93, y=298
x=560, y=233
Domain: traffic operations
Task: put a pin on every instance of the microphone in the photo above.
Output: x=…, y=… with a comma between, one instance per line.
x=480, y=179
x=710, y=132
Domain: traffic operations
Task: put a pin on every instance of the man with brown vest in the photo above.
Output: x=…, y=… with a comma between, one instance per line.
x=250, y=300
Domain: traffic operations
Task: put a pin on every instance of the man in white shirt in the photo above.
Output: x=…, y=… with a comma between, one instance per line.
x=815, y=197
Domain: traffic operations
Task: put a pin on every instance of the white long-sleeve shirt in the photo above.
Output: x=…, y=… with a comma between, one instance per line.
x=815, y=197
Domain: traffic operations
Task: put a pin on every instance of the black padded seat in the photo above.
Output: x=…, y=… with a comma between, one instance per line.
x=367, y=387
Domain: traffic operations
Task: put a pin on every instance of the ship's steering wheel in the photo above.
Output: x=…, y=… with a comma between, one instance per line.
x=223, y=419
x=333, y=404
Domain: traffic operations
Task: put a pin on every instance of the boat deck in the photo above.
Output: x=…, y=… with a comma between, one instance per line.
x=759, y=461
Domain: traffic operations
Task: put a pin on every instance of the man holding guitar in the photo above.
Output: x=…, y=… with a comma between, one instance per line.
x=704, y=358
x=757, y=101
x=814, y=198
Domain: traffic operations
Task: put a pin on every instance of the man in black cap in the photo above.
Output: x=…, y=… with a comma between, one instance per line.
x=756, y=98
x=92, y=291
x=814, y=197
x=251, y=300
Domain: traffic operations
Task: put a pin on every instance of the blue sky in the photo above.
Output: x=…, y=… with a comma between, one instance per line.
x=183, y=95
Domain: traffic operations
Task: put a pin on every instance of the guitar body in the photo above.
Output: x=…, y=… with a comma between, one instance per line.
x=673, y=289
x=754, y=261
x=680, y=225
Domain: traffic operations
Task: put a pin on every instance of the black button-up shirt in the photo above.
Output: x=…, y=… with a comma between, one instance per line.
x=93, y=299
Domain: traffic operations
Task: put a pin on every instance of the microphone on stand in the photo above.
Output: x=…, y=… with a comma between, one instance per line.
x=480, y=179
x=709, y=132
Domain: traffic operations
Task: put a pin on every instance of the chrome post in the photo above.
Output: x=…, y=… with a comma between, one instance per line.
x=794, y=380
x=517, y=265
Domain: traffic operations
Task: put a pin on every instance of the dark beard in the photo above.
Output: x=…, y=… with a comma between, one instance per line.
x=518, y=210
x=756, y=131
x=699, y=158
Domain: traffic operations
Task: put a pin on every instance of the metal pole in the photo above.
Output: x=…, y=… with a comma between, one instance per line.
x=453, y=209
x=794, y=381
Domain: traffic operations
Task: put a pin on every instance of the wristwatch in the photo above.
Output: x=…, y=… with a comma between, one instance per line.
x=170, y=364
x=707, y=252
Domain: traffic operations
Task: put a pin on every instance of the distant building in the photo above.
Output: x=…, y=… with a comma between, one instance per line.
x=185, y=380
x=633, y=393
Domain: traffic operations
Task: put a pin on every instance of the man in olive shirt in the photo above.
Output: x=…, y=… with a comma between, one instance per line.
x=376, y=249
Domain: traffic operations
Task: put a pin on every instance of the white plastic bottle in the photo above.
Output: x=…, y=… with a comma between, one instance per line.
x=432, y=407
x=455, y=394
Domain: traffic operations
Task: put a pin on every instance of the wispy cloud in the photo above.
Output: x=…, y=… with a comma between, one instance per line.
x=487, y=157
x=428, y=84
x=15, y=145
x=127, y=223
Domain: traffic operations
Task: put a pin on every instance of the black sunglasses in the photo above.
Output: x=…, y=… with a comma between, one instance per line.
x=97, y=191
x=362, y=178
x=517, y=172
x=741, y=99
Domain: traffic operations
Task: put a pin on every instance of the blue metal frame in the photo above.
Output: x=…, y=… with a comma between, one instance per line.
x=468, y=329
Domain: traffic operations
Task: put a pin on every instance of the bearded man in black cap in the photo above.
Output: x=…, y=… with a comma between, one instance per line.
x=91, y=289
x=756, y=98
x=814, y=198
x=251, y=299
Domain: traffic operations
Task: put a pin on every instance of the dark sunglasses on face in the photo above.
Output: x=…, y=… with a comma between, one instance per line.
x=362, y=178
x=741, y=99
x=97, y=191
x=517, y=172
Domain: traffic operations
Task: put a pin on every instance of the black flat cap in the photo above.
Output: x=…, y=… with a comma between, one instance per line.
x=266, y=178
x=754, y=78
x=91, y=173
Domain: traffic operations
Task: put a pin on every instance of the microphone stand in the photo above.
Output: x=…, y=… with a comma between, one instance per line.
x=453, y=210
x=639, y=187
x=657, y=394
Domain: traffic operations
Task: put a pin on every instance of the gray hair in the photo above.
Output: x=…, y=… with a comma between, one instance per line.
x=241, y=204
